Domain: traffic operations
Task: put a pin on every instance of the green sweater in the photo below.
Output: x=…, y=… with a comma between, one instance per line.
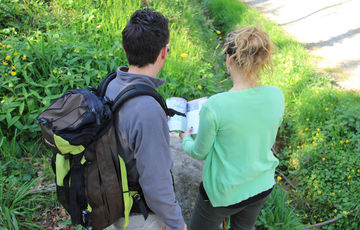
x=236, y=133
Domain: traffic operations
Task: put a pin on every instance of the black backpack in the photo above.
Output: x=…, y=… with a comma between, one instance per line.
x=91, y=180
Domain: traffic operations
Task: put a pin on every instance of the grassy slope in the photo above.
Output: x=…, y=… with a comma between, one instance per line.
x=318, y=142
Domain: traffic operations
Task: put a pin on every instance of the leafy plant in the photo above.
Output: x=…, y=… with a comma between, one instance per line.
x=17, y=206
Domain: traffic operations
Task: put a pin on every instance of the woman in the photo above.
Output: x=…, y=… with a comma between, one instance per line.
x=236, y=133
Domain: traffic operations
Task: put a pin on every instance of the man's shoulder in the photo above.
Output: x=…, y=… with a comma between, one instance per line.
x=143, y=105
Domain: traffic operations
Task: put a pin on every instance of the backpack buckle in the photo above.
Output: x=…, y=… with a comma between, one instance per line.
x=86, y=219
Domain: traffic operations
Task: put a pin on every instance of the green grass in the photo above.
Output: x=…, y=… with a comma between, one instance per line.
x=318, y=142
x=277, y=215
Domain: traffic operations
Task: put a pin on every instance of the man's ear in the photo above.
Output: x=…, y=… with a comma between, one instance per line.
x=163, y=52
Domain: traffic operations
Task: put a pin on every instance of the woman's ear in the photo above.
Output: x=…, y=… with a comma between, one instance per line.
x=228, y=63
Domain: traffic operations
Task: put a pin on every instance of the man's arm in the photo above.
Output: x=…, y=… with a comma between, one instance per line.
x=154, y=161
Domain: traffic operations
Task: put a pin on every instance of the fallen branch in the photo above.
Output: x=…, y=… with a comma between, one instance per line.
x=292, y=185
x=329, y=221
x=286, y=179
x=43, y=189
x=323, y=223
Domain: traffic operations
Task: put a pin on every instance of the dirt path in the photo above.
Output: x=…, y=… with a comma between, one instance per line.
x=330, y=29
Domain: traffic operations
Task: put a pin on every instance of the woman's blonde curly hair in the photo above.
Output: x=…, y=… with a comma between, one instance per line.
x=251, y=49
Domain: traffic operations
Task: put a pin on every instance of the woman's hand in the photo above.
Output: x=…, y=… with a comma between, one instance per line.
x=186, y=133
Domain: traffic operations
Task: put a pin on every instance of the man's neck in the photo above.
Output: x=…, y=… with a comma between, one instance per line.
x=148, y=70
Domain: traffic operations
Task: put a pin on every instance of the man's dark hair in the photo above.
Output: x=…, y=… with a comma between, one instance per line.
x=144, y=36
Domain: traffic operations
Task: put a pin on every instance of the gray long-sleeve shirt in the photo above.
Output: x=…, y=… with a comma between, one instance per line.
x=144, y=137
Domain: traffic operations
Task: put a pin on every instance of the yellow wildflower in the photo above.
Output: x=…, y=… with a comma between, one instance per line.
x=320, y=219
x=323, y=159
x=218, y=32
x=5, y=63
x=14, y=67
x=345, y=212
x=358, y=170
x=349, y=177
x=321, y=139
x=290, y=147
x=341, y=123
x=347, y=183
x=220, y=38
x=335, y=210
x=307, y=119
x=279, y=178
x=13, y=73
x=318, y=129
x=7, y=58
x=314, y=143
x=341, y=142
x=11, y=85
x=306, y=129
x=297, y=214
x=333, y=194
x=305, y=215
x=23, y=57
x=16, y=53
x=347, y=141
x=326, y=109
x=353, y=170
x=316, y=186
x=184, y=55
x=319, y=192
x=298, y=147
x=348, y=169
x=199, y=87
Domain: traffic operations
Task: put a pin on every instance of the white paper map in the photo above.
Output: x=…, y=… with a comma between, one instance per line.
x=191, y=109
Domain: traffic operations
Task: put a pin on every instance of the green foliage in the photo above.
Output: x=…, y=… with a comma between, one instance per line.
x=277, y=215
x=40, y=63
x=17, y=206
x=323, y=158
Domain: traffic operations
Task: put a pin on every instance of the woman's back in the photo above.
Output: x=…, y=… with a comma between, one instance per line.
x=246, y=124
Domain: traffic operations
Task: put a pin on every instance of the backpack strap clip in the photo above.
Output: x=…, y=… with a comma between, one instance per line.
x=141, y=205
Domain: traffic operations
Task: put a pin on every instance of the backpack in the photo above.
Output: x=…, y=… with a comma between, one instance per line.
x=90, y=173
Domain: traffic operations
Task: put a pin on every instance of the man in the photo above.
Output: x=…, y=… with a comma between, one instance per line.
x=142, y=128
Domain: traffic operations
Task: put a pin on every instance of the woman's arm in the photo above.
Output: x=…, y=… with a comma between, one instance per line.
x=205, y=138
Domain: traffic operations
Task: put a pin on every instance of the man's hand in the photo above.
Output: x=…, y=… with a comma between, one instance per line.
x=185, y=227
x=186, y=133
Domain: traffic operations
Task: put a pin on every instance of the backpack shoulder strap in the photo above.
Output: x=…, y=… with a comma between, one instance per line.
x=101, y=89
x=135, y=90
